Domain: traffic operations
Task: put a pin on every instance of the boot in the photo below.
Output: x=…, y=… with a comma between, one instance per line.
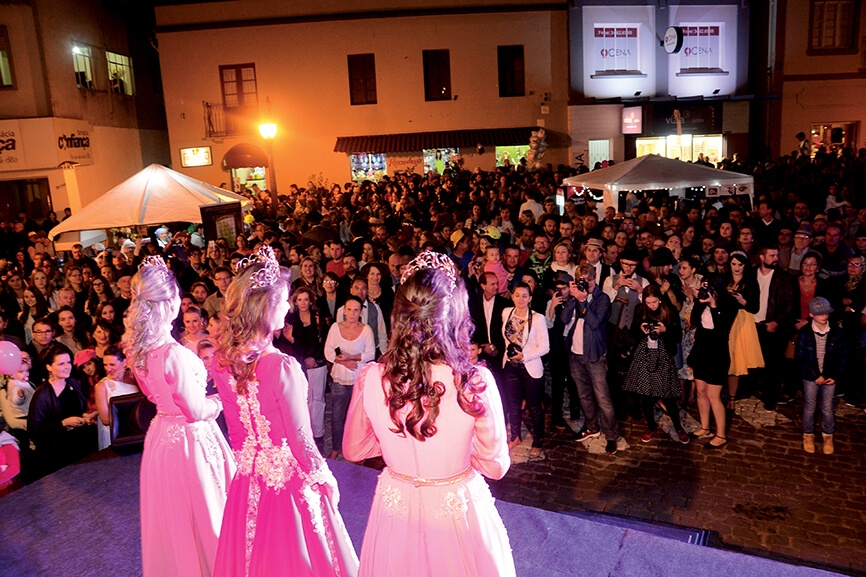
x=828, y=444
x=809, y=442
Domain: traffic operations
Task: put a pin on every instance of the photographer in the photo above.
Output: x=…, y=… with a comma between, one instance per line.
x=653, y=374
x=560, y=375
x=710, y=358
x=585, y=318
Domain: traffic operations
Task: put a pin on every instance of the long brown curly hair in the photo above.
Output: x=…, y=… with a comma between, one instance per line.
x=430, y=325
x=245, y=331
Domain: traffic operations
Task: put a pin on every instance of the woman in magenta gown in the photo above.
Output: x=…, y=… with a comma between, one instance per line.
x=281, y=517
x=187, y=465
x=438, y=422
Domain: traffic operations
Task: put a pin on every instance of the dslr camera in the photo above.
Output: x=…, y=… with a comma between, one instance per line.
x=512, y=350
x=705, y=291
x=582, y=285
x=653, y=331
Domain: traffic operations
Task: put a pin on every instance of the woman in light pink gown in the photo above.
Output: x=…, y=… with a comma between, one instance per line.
x=281, y=517
x=438, y=422
x=187, y=465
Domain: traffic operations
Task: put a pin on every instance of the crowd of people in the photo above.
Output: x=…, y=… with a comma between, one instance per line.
x=624, y=312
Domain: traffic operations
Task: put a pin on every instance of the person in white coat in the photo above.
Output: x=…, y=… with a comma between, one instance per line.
x=526, y=341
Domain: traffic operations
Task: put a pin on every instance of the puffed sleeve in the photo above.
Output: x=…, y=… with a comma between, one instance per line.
x=490, y=448
x=359, y=440
x=186, y=375
x=291, y=398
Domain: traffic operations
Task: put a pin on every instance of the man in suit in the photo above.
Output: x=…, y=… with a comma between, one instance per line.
x=592, y=251
x=486, y=312
x=773, y=320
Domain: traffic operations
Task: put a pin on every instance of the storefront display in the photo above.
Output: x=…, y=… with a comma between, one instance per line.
x=439, y=160
x=243, y=178
x=368, y=166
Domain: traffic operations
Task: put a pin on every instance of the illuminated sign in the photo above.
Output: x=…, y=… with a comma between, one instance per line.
x=632, y=120
x=673, y=41
x=199, y=156
x=701, y=49
x=616, y=50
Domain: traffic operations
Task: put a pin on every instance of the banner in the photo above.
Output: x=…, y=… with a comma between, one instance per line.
x=616, y=49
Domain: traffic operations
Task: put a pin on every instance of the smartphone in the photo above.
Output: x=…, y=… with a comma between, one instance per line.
x=338, y=352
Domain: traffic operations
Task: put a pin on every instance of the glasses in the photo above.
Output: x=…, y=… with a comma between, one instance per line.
x=98, y=284
x=48, y=332
x=855, y=264
x=329, y=282
x=802, y=236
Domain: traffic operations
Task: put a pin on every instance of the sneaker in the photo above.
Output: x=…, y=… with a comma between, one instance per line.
x=647, y=437
x=610, y=447
x=683, y=437
x=585, y=434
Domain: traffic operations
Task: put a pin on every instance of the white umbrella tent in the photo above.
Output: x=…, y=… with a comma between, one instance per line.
x=653, y=172
x=153, y=196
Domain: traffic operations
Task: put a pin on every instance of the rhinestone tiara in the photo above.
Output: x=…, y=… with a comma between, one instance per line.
x=267, y=275
x=158, y=262
x=432, y=260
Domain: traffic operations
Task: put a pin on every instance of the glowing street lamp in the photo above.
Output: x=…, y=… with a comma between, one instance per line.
x=268, y=130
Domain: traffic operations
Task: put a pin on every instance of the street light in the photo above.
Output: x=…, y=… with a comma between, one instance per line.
x=268, y=130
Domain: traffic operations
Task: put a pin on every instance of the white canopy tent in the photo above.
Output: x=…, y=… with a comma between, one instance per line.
x=653, y=172
x=155, y=195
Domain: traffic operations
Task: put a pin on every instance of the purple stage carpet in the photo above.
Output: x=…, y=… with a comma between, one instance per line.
x=84, y=520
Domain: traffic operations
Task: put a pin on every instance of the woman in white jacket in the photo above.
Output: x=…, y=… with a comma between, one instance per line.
x=525, y=333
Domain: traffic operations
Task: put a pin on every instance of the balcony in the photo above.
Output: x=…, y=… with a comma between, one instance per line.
x=221, y=120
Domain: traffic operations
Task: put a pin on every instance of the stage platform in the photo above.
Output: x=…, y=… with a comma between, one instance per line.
x=84, y=521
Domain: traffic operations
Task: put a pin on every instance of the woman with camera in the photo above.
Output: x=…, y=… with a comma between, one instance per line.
x=526, y=341
x=653, y=373
x=744, y=347
x=710, y=358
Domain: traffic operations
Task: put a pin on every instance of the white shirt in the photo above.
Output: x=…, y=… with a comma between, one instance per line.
x=365, y=314
x=577, y=339
x=488, y=313
x=764, y=284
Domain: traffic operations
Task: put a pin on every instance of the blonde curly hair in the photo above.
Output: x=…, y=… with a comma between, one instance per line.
x=155, y=304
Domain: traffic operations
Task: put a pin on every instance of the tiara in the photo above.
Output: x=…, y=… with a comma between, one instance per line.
x=431, y=260
x=267, y=275
x=158, y=262
x=740, y=253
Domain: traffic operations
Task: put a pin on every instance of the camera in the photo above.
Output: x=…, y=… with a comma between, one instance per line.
x=653, y=330
x=582, y=285
x=704, y=292
x=513, y=349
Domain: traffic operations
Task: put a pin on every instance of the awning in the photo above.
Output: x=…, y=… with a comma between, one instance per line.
x=244, y=156
x=416, y=141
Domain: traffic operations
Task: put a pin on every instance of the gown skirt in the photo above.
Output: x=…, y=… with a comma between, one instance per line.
x=743, y=345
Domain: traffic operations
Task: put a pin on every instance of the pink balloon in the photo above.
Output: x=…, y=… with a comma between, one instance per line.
x=10, y=358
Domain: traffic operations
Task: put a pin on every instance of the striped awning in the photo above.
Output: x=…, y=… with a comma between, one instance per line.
x=417, y=141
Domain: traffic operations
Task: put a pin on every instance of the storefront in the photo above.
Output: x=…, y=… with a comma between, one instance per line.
x=679, y=130
x=375, y=156
x=247, y=164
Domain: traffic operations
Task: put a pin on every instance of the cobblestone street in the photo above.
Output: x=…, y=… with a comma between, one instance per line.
x=761, y=494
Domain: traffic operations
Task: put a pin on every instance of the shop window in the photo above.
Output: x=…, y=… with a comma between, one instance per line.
x=833, y=136
x=362, y=79
x=438, y=160
x=7, y=79
x=82, y=63
x=120, y=73
x=437, y=75
x=368, y=166
x=833, y=27
x=599, y=151
x=511, y=71
x=239, y=86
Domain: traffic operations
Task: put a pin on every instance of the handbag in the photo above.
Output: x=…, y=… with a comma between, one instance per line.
x=790, y=349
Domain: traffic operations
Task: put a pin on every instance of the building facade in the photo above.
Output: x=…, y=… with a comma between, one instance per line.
x=80, y=109
x=357, y=91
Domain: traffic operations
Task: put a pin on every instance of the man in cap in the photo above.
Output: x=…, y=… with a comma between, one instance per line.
x=802, y=244
x=592, y=251
x=461, y=242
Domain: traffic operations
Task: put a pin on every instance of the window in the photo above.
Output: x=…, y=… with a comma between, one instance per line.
x=833, y=27
x=511, y=71
x=7, y=79
x=239, y=85
x=82, y=63
x=437, y=75
x=362, y=78
x=120, y=73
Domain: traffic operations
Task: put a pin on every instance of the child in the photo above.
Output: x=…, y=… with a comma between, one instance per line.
x=493, y=263
x=194, y=323
x=474, y=351
x=19, y=391
x=821, y=353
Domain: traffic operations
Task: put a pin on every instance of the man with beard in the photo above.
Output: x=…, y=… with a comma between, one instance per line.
x=773, y=320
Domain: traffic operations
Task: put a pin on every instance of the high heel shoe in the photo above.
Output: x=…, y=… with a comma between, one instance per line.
x=709, y=444
x=697, y=434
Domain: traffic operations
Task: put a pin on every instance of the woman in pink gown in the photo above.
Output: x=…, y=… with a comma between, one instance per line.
x=438, y=422
x=187, y=465
x=281, y=517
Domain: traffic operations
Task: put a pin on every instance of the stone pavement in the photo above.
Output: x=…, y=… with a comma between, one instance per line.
x=761, y=494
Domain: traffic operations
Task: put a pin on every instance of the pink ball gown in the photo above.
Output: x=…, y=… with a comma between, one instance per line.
x=281, y=517
x=186, y=467
x=432, y=514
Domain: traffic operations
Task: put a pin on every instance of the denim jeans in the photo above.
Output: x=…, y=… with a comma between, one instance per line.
x=316, y=378
x=591, y=381
x=519, y=384
x=813, y=394
x=340, y=397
